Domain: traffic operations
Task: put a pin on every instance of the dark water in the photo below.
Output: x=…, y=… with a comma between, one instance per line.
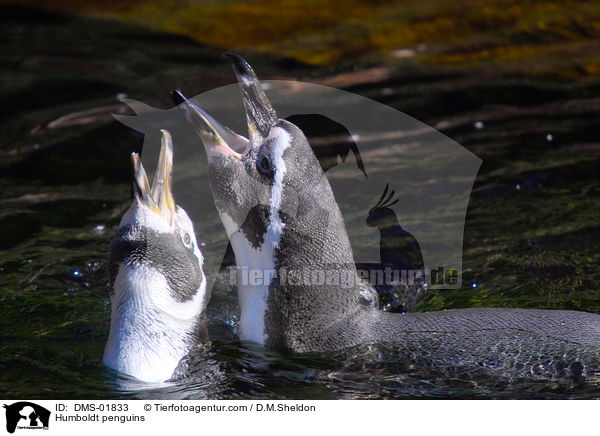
x=531, y=238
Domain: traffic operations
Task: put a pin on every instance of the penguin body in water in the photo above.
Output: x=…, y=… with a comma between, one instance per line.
x=281, y=217
x=157, y=286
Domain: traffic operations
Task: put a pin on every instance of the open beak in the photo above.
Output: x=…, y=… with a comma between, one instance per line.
x=260, y=115
x=161, y=190
x=140, y=188
x=159, y=197
x=213, y=133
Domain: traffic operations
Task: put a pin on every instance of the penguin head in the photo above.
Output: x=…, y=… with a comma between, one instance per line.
x=273, y=167
x=158, y=288
x=157, y=234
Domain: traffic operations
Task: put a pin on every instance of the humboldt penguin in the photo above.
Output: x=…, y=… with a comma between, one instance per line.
x=157, y=286
x=282, y=220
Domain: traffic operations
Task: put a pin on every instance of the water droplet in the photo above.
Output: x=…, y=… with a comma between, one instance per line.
x=478, y=125
x=76, y=273
x=203, y=244
x=121, y=96
x=99, y=228
x=356, y=137
x=518, y=187
x=474, y=285
x=265, y=86
x=549, y=137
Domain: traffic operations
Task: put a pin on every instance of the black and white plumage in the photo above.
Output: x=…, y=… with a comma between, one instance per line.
x=158, y=289
x=280, y=215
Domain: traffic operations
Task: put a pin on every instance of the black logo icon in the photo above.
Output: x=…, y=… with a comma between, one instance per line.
x=26, y=415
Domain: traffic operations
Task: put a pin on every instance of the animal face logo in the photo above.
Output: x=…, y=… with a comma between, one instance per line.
x=26, y=415
x=364, y=148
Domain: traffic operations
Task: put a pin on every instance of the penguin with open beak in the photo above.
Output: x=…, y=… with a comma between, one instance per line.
x=264, y=189
x=158, y=289
x=281, y=217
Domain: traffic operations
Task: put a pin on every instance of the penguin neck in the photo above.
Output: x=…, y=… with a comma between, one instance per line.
x=317, y=284
x=253, y=291
x=253, y=294
x=149, y=332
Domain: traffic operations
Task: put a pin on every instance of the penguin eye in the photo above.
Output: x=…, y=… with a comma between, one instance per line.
x=187, y=239
x=264, y=166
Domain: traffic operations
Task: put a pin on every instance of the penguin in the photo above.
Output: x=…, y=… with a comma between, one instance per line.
x=281, y=217
x=157, y=286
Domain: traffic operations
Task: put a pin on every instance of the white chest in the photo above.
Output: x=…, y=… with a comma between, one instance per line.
x=259, y=262
x=255, y=269
x=150, y=331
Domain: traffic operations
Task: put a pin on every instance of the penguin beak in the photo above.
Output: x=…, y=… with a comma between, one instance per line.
x=260, y=115
x=161, y=190
x=140, y=188
x=214, y=135
x=159, y=197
